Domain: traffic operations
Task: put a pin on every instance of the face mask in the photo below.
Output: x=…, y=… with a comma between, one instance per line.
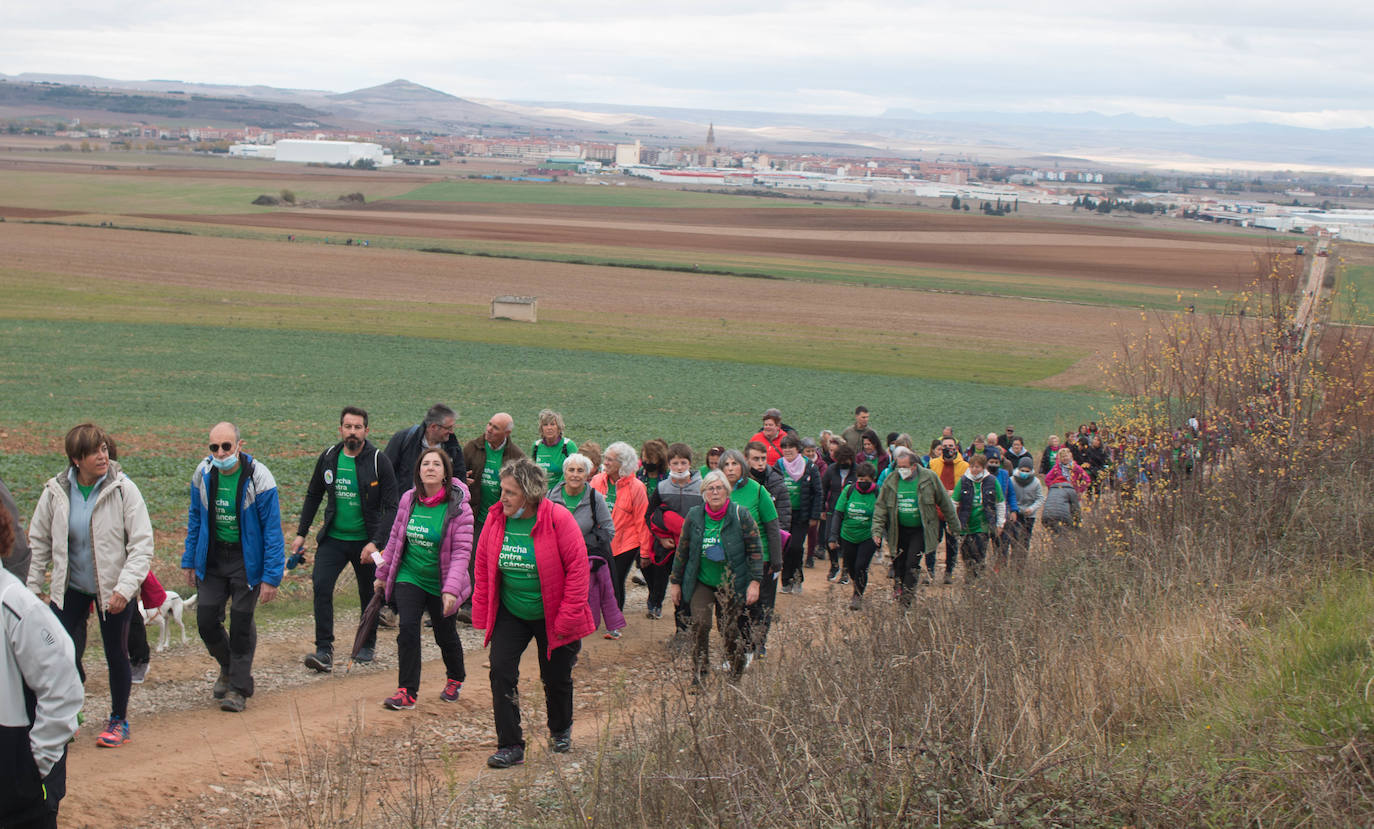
x=226, y=463
x=1025, y=476
x=865, y=486
x=905, y=472
x=680, y=476
x=949, y=453
x=846, y=465
x=520, y=513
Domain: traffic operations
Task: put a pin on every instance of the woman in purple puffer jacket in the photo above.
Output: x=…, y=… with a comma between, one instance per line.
x=425, y=569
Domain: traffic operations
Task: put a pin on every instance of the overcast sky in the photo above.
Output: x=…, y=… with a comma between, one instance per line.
x=1306, y=63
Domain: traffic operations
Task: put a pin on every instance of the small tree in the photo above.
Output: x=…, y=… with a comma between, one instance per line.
x=954, y=203
x=288, y=197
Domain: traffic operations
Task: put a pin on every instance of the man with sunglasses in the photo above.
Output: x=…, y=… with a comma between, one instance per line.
x=358, y=516
x=234, y=556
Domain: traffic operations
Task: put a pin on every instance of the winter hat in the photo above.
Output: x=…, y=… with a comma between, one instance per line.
x=1026, y=463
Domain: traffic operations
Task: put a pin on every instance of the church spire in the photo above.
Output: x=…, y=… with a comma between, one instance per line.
x=711, y=136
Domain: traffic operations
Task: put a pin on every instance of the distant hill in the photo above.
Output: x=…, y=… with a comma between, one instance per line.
x=59, y=100
x=405, y=104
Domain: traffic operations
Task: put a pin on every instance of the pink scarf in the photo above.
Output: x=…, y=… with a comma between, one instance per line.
x=715, y=516
x=796, y=467
x=430, y=500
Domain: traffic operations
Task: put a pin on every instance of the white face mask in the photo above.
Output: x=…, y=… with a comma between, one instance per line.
x=680, y=476
x=906, y=472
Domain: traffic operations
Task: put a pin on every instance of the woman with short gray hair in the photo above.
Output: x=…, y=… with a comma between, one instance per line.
x=553, y=447
x=593, y=517
x=629, y=503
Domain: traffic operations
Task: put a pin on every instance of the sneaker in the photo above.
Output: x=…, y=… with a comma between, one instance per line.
x=116, y=733
x=949, y=578
x=834, y=574
x=506, y=757
x=138, y=673
x=810, y=562
x=561, y=743
x=221, y=685
x=365, y=654
x=612, y=634
x=655, y=613
x=844, y=579
x=452, y=689
x=386, y=617
x=233, y=702
x=402, y=700
x=855, y=603
x=321, y=661
x=639, y=580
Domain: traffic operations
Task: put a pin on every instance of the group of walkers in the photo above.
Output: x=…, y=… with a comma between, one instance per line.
x=525, y=546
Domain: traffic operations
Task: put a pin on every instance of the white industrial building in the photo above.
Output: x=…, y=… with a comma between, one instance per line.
x=332, y=152
x=266, y=151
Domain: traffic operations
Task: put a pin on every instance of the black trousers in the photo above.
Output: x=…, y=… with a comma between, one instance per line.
x=795, y=550
x=509, y=636
x=23, y=804
x=857, y=557
x=975, y=550
x=331, y=557
x=226, y=585
x=760, y=613
x=139, y=653
x=951, y=551
x=656, y=576
x=906, y=560
x=623, y=564
x=412, y=602
x=114, y=634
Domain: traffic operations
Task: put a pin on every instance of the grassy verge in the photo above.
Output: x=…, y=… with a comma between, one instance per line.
x=1354, y=297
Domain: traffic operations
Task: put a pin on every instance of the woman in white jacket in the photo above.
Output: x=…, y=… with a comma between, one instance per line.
x=91, y=526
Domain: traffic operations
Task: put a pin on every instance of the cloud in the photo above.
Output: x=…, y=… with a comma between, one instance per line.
x=1219, y=61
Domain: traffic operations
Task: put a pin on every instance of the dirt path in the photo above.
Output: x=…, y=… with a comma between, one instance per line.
x=188, y=761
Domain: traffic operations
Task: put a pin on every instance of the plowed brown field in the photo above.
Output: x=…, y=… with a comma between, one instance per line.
x=909, y=238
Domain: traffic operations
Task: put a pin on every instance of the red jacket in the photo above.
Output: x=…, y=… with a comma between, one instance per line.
x=774, y=445
x=628, y=515
x=560, y=557
x=152, y=592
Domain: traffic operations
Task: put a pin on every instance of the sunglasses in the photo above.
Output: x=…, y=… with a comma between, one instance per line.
x=227, y=446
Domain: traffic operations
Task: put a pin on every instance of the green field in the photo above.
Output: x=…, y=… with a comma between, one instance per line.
x=1354, y=298
x=116, y=193
x=576, y=193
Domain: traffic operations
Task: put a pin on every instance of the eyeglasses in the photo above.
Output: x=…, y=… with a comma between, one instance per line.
x=227, y=446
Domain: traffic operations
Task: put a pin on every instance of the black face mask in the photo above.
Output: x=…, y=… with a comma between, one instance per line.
x=950, y=453
x=846, y=465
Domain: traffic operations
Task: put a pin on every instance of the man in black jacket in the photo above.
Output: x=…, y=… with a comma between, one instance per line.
x=404, y=448
x=357, y=521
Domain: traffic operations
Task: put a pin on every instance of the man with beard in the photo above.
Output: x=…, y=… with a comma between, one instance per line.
x=357, y=520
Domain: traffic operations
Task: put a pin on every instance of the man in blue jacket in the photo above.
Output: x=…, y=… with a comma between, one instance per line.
x=234, y=555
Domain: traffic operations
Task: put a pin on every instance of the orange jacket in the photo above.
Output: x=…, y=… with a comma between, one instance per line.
x=628, y=515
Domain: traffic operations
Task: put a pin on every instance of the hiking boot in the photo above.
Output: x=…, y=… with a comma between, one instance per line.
x=561, y=742
x=856, y=603
x=116, y=733
x=138, y=673
x=233, y=702
x=402, y=700
x=365, y=654
x=506, y=757
x=321, y=661
x=465, y=613
x=451, y=690
x=639, y=580
x=221, y=685
x=612, y=634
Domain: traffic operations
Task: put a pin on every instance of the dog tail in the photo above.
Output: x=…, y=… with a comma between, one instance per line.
x=187, y=604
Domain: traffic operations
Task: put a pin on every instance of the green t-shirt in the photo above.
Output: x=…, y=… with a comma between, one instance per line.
x=610, y=494
x=348, y=506
x=856, y=511
x=712, y=568
x=748, y=493
x=977, y=521
x=908, y=506
x=420, y=563
x=491, y=480
x=550, y=458
x=571, y=501
x=520, y=593
x=793, y=490
x=227, y=506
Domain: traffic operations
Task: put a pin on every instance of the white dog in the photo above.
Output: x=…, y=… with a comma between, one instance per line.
x=172, y=608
